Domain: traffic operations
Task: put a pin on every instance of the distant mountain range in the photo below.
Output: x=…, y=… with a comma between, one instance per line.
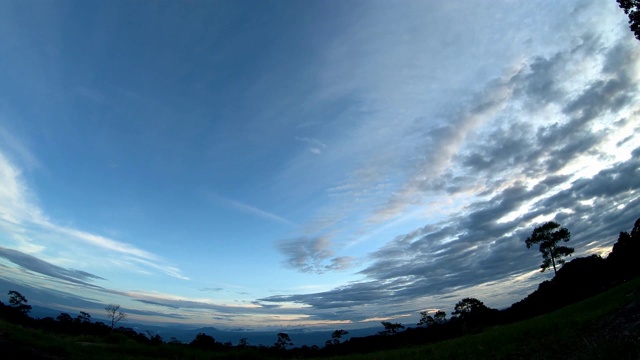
x=184, y=333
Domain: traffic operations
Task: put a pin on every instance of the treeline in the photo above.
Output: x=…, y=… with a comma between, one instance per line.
x=89, y=332
x=576, y=280
x=18, y=309
x=83, y=327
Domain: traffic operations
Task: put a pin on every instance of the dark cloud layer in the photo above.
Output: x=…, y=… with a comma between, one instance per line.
x=155, y=314
x=312, y=255
x=34, y=264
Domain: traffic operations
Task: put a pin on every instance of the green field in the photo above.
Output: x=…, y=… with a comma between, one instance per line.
x=606, y=326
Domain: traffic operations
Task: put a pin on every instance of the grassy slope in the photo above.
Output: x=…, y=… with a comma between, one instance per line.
x=603, y=327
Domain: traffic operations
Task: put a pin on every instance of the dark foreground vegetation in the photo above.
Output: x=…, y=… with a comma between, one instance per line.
x=589, y=310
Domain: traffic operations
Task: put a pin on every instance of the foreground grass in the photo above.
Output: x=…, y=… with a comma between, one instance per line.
x=603, y=327
x=17, y=342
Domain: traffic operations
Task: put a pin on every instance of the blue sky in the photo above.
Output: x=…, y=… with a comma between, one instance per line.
x=307, y=164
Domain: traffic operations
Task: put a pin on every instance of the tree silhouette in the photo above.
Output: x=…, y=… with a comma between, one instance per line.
x=548, y=235
x=467, y=306
x=203, y=341
x=114, y=315
x=391, y=328
x=427, y=320
x=625, y=252
x=84, y=317
x=635, y=232
x=283, y=341
x=440, y=317
x=154, y=339
x=632, y=9
x=19, y=302
x=64, y=318
x=337, y=335
x=243, y=343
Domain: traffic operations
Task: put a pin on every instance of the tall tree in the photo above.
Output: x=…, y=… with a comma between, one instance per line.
x=337, y=335
x=64, y=318
x=243, y=343
x=19, y=302
x=632, y=9
x=391, y=328
x=203, y=341
x=426, y=320
x=440, y=317
x=283, y=341
x=467, y=306
x=623, y=258
x=114, y=314
x=548, y=235
x=84, y=317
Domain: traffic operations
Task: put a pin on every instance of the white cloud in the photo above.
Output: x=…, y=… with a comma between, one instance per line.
x=312, y=255
x=29, y=230
x=315, y=145
x=12, y=144
x=252, y=210
x=16, y=201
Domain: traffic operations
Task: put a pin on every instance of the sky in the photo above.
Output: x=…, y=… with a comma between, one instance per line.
x=315, y=164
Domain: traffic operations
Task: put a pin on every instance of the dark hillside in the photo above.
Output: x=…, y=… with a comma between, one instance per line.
x=582, y=278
